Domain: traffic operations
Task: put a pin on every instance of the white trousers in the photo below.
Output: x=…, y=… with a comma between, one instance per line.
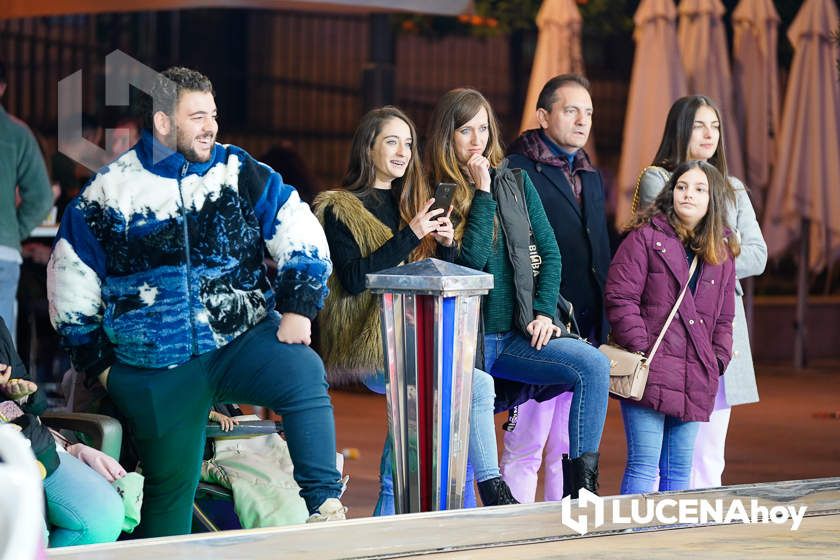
x=540, y=427
x=708, y=463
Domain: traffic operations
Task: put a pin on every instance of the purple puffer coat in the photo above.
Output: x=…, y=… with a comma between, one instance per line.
x=643, y=283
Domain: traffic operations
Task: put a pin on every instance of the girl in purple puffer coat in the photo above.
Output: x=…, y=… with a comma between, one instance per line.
x=645, y=279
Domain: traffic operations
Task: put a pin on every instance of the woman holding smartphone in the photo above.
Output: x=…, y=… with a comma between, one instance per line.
x=525, y=348
x=380, y=218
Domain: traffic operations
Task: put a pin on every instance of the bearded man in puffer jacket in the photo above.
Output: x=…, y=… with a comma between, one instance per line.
x=157, y=289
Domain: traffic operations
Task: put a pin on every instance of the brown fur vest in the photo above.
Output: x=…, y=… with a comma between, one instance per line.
x=351, y=336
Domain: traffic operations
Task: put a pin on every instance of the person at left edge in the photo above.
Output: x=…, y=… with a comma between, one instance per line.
x=156, y=288
x=23, y=173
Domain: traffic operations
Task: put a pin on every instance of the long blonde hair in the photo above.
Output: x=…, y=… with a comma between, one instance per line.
x=456, y=108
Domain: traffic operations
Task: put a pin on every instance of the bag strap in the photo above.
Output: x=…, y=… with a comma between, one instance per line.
x=634, y=206
x=691, y=270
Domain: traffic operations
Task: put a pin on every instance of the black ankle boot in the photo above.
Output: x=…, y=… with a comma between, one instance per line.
x=495, y=492
x=581, y=472
x=567, y=476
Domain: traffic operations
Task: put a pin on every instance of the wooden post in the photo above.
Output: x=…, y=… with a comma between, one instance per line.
x=378, y=75
x=799, y=359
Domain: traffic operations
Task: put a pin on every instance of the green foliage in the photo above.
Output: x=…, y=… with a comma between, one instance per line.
x=493, y=17
x=608, y=17
x=512, y=15
x=441, y=26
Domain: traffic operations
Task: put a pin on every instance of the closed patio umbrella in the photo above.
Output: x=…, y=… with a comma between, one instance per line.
x=558, y=51
x=705, y=58
x=804, y=198
x=657, y=81
x=755, y=72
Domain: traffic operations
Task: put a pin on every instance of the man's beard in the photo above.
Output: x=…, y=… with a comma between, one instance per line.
x=184, y=146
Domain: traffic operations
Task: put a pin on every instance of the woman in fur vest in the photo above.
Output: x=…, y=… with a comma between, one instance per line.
x=380, y=219
x=679, y=243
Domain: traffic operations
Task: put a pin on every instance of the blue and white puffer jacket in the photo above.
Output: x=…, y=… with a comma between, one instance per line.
x=159, y=260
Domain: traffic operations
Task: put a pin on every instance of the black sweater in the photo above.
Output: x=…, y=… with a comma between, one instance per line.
x=349, y=265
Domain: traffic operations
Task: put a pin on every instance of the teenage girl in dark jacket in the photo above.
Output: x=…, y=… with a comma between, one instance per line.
x=647, y=274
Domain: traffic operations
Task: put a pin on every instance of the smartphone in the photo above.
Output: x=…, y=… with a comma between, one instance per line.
x=443, y=197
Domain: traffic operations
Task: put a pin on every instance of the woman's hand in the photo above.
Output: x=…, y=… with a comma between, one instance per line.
x=14, y=389
x=295, y=329
x=541, y=330
x=227, y=423
x=17, y=389
x=445, y=232
x=103, y=464
x=479, y=167
x=425, y=222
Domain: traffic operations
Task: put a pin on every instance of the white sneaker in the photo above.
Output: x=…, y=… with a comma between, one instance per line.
x=330, y=510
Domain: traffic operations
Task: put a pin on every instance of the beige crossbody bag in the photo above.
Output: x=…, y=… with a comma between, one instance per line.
x=629, y=370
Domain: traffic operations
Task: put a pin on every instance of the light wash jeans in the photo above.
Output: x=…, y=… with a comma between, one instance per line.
x=82, y=508
x=568, y=362
x=483, y=452
x=9, y=277
x=656, y=445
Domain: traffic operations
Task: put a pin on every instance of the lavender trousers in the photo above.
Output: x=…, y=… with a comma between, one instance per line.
x=540, y=427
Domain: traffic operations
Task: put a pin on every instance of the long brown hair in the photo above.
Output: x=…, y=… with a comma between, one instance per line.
x=455, y=109
x=708, y=239
x=673, y=150
x=361, y=172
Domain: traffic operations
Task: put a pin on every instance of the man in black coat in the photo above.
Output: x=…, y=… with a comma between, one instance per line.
x=572, y=192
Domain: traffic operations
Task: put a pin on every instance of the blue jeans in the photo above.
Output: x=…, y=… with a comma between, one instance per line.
x=9, y=277
x=570, y=363
x=82, y=508
x=483, y=452
x=657, y=445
